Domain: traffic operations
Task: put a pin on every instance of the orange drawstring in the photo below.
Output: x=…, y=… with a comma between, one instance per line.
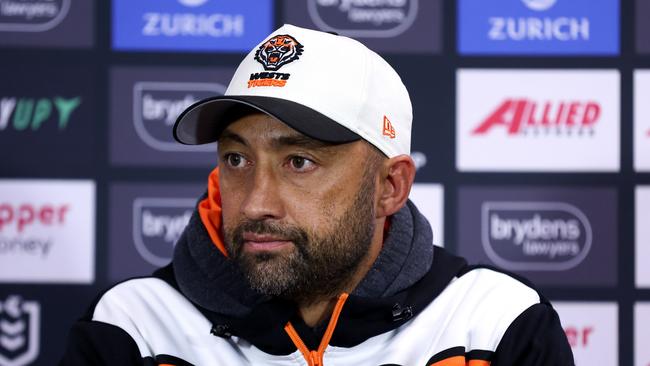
x=315, y=358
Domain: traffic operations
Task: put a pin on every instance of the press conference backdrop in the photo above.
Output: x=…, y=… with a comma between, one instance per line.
x=531, y=138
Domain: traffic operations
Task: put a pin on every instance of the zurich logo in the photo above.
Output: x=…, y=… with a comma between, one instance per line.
x=193, y=3
x=539, y=5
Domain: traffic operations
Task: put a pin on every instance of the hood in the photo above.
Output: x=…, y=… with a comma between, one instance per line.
x=408, y=273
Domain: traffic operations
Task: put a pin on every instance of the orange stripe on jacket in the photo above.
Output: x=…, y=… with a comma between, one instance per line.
x=460, y=361
x=478, y=363
x=210, y=211
x=451, y=361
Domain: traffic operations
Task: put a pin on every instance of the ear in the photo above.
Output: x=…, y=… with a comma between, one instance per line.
x=397, y=175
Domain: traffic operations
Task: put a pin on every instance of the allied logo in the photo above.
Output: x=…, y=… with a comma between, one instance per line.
x=156, y=105
x=536, y=236
x=30, y=114
x=538, y=120
x=524, y=116
x=157, y=225
x=364, y=18
x=19, y=331
x=32, y=15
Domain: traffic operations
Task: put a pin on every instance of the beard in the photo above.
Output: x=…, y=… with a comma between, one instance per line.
x=320, y=264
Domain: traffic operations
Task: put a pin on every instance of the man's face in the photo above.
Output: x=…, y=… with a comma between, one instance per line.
x=298, y=214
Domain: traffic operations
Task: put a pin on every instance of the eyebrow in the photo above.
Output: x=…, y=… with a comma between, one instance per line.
x=278, y=142
x=227, y=135
x=299, y=141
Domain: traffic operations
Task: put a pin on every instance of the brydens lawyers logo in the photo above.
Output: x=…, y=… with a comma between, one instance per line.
x=357, y=18
x=30, y=114
x=19, y=331
x=32, y=15
x=157, y=225
x=273, y=54
x=524, y=116
x=156, y=105
x=541, y=236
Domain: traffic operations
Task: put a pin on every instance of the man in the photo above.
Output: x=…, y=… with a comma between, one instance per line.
x=305, y=249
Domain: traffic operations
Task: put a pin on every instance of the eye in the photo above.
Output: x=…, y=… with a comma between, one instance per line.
x=301, y=164
x=235, y=160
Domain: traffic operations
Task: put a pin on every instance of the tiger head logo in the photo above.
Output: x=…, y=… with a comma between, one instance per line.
x=277, y=51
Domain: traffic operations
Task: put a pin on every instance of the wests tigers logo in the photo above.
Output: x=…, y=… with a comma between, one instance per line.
x=277, y=51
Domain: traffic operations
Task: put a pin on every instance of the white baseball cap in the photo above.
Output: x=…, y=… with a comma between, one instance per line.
x=328, y=87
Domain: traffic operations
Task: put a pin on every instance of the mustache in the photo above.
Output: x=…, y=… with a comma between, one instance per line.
x=290, y=233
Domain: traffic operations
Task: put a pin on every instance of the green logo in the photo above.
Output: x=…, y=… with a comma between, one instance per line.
x=32, y=113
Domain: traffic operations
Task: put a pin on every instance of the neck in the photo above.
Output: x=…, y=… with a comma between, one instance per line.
x=316, y=311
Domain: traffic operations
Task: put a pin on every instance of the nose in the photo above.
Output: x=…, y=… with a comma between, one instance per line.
x=262, y=199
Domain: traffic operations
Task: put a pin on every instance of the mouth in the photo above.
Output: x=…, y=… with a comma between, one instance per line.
x=264, y=242
x=274, y=57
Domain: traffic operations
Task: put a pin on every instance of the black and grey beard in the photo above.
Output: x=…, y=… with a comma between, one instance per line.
x=320, y=265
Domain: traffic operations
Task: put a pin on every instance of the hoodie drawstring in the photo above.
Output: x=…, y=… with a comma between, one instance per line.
x=315, y=358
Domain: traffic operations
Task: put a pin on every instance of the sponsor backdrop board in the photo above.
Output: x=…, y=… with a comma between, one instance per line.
x=642, y=120
x=47, y=118
x=641, y=333
x=385, y=26
x=538, y=27
x=642, y=236
x=592, y=330
x=563, y=237
x=538, y=120
x=47, y=231
x=47, y=23
x=190, y=25
x=429, y=199
x=146, y=220
x=145, y=103
x=642, y=12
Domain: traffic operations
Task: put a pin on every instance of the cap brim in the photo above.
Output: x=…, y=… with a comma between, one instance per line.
x=203, y=122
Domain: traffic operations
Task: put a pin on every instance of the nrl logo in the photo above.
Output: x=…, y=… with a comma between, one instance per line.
x=19, y=331
x=277, y=51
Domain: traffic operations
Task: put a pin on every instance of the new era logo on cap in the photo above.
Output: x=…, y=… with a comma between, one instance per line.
x=388, y=128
